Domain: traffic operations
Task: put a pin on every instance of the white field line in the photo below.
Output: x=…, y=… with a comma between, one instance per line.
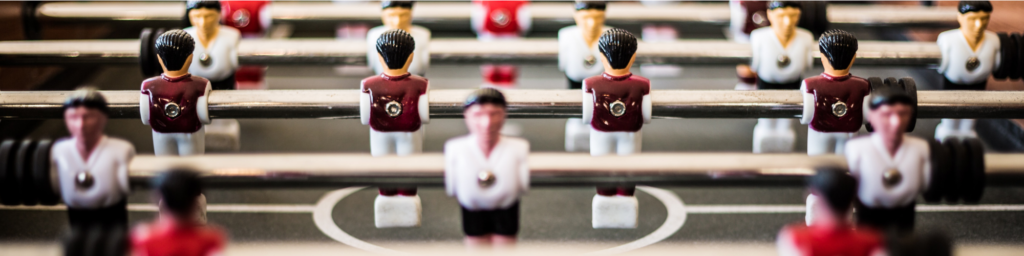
x=690, y=209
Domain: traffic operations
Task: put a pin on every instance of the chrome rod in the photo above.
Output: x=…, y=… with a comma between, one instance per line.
x=427, y=12
x=442, y=50
x=447, y=103
x=546, y=169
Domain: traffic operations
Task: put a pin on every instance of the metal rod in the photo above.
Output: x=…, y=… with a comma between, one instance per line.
x=343, y=104
x=353, y=52
x=546, y=169
x=427, y=12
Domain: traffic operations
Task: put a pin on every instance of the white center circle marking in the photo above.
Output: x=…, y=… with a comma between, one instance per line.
x=675, y=208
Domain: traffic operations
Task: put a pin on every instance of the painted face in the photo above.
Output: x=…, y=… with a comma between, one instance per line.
x=485, y=120
x=784, y=20
x=590, y=21
x=204, y=18
x=396, y=17
x=973, y=23
x=890, y=120
x=83, y=122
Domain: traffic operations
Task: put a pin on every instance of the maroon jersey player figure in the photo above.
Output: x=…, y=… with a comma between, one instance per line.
x=831, y=233
x=174, y=103
x=394, y=104
x=177, y=232
x=616, y=104
x=833, y=101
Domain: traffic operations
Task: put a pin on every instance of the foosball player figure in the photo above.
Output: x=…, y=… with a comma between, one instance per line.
x=505, y=19
x=176, y=232
x=174, y=103
x=780, y=55
x=394, y=104
x=580, y=59
x=487, y=172
x=398, y=15
x=253, y=20
x=969, y=55
x=616, y=104
x=216, y=59
x=745, y=17
x=92, y=169
x=833, y=101
x=892, y=168
x=831, y=233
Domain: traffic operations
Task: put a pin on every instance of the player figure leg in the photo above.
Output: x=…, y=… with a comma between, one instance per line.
x=164, y=144
x=627, y=143
x=380, y=143
x=223, y=135
x=601, y=143
x=397, y=207
x=946, y=128
x=577, y=135
x=819, y=143
x=840, y=141
x=609, y=208
x=966, y=129
x=407, y=143
x=192, y=143
x=772, y=135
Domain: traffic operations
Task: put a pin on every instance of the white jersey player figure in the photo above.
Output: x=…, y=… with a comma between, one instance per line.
x=92, y=169
x=780, y=55
x=580, y=59
x=487, y=172
x=217, y=51
x=892, y=168
x=174, y=104
x=398, y=15
x=969, y=55
x=394, y=105
x=616, y=105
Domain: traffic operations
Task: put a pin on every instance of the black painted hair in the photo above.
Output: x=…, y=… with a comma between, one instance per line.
x=835, y=187
x=179, y=190
x=399, y=4
x=200, y=4
x=783, y=4
x=889, y=96
x=586, y=5
x=618, y=45
x=174, y=47
x=485, y=96
x=395, y=46
x=974, y=6
x=87, y=97
x=839, y=47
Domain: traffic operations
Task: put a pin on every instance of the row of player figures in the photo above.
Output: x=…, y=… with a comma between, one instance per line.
x=595, y=58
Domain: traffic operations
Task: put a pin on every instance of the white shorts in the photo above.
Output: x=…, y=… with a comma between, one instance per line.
x=169, y=144
x=622, y=143
x=399, y=143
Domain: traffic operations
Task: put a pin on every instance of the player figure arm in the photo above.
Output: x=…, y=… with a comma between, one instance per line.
x=808, y=113
x=202, y=105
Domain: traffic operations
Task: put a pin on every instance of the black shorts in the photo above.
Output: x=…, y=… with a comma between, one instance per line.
x=949, y=85
x=114, y=215
x=762, y=85
x=226, y=84
x=897, y=219
x=500, y=222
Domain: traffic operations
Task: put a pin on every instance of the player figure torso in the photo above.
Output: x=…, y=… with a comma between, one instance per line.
x=778, y=64
x=838, y=102
x=957, y=54
x=394, y=101
x=576, y=58
x=172, y=102
x=869, y=161
x=500, y=19
x=221, y=55
x=818, y=241
x=109, y=185
x=506, y=162
x=618, y=101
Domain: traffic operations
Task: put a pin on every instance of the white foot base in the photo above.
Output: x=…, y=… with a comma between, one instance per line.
x=577, y=135
x=223, y=135
x=397, y=211
x=773, y=141
x=745, y=87
x=615, y=211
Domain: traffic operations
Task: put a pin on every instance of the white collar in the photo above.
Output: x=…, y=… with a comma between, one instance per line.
x=480, y=153
x=92, y=156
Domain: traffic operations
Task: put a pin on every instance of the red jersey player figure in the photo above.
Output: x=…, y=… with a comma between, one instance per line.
x=616, y=104
x=500, y=19
x=395, y=106
x=176, y=231
x=830, y=233
x=487, y=172
x=253, y=20
x=174, y=104
x=833, y=101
